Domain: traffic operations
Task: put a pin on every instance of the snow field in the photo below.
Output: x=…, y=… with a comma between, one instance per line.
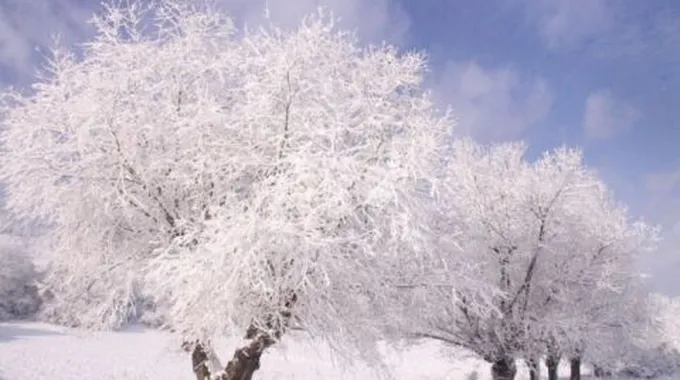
x=41, y=351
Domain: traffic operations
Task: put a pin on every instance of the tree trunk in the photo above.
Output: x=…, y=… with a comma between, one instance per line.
x=504, y=369
x=534, y=371
x=244, y=363
x=575, y=366
x=246, y=360
x=199, y=361
x=552, y=362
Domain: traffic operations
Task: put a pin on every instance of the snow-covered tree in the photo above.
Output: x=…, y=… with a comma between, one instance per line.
x=598, y=295
x=590, y=292
x=543, y=233
x=236, y=182
x=653, y=350
x=593, y=323
x=664, y=313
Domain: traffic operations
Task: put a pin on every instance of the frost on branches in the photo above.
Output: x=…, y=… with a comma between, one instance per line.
x=558, y=250
x=237, y=183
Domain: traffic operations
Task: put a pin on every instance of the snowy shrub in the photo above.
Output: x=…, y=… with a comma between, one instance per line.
x=150, y=313
x=97, y=299
x=107, y=298
x=18, y=292
x=665, y=311
x=654, y=363
x=656, y=351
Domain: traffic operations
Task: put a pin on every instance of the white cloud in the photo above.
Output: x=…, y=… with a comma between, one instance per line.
x=28, y=25
x=663, y=200
x=639, y=32
x=492, y=104
x=14, y=45
x=663, y=206
x=606, y=117
x=663, y=182
x=374, y=20
x=564, y=24
x=656, y=198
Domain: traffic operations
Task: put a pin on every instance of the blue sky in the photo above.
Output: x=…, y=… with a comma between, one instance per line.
x=603, y=75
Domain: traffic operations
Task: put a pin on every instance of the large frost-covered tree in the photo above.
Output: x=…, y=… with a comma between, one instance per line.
x=545, y=233
x=236, y=182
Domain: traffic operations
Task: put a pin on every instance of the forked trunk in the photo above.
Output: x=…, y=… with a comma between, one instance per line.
x=243, y=364
x=246, y=359
x=551, y=362
x=575, y=366
x=534, y=372
x=504, y=369
x=200, y=361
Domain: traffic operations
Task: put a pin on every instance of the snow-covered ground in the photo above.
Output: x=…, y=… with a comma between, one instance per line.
x=39, y=351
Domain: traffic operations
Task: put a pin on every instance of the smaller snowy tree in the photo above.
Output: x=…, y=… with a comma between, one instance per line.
x=238, y=183
x=599, y=297
x=593, y=323
x=480, y=197
x=542, y=233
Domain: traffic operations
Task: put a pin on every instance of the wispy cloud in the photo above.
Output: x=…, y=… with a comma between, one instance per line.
x=493, y=103
x=374, y=20
x=605, y=117
x=639, y=31
x=15, y=46
x=28, y=26
x=663, y=206
x=663, y=183
x=663, y=200
x=564, y=24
